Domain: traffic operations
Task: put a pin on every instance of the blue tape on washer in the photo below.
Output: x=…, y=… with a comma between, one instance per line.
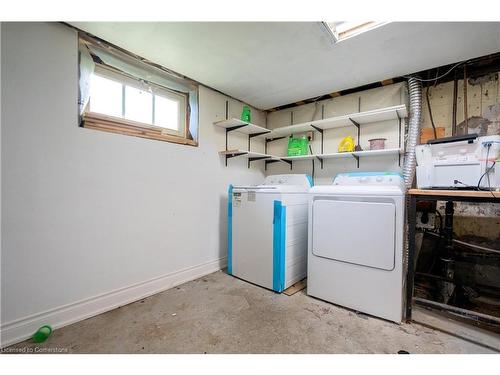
x=311, y=182
x=230, y=230
x=279, y=238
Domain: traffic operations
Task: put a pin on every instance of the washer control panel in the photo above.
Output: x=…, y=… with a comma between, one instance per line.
x=288, y=179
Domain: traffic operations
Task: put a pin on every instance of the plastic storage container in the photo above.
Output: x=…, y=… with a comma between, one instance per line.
x=377, y=143
x=298, y=146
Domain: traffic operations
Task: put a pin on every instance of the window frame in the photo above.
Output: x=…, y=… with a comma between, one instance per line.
x=124, y=126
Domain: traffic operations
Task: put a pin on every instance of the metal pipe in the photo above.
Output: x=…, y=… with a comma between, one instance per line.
x=489, y=319
x=466, y=116
x=448, y=228
x=467, y=244
x=455, y=95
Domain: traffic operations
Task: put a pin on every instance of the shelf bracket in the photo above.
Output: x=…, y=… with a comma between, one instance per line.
x=257, y=134
x=357, y=159
x=316, y=128
x=289, y=162
x=273, y=139
x=231, y=129
x=399, y=139
x=320, y=161
x=275, y=161
x=235, y=127
x=356, y=124
x=269, y=162
x=321, y=132
x=250, y=136
x=257, y=158
x=229, y=156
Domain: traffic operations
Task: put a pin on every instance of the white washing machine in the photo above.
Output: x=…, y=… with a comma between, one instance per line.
x=267, y=231
x=355, y=247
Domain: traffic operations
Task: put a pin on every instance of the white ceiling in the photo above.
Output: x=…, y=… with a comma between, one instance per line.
x=276, y=63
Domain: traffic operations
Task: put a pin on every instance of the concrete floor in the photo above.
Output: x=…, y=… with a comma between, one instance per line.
x=221, y=314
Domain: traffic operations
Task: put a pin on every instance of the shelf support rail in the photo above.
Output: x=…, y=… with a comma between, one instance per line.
x=358, y=147
x=250, y=136
x=229, y=156
x=399, y=138
x=320, y=132
x=289, y=162
x=356, y=124
x=233, y=128
x=257, y=158
x=271, y=140
x=357, y=159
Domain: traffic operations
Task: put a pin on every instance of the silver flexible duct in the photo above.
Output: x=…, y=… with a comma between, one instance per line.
x=415, y=94
x=409, y=166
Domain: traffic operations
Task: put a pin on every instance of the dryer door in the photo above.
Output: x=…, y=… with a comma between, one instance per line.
x=354, y=231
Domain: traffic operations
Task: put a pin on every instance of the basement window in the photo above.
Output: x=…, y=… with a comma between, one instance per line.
x=119, y=97
x=122, y=94
x=342, y=30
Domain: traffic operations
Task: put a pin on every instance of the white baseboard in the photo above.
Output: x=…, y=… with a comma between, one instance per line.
x=21, y=329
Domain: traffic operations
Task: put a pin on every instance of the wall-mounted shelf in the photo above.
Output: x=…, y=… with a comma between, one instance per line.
x=247, y=154
x=234, y=124
x=237, y=125
x=359, y=118
x=388, y=151
x=252, y=156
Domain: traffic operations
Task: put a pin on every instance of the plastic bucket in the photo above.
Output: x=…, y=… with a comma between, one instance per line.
x=377, y=143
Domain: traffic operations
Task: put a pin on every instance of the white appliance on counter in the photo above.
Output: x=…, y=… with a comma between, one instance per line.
x=459, y=162
x=355, y=245
x=267, y=231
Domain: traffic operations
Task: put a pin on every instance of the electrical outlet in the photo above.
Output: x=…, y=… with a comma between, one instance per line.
x=310, y=136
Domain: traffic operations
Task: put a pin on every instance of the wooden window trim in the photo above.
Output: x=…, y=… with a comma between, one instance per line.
x=97, y=121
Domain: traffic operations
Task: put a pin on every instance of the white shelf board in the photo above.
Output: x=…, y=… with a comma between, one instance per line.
x=389, y=151
x=362, y=118
x=249, y=154
x=321, y=156
x=302, y=157
x=379, y=115
x=246, y=127
x=291, y=129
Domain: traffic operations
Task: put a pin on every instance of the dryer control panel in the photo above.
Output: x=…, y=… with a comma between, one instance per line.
x=369, y=178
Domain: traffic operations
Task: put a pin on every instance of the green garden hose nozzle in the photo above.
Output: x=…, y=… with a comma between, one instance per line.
x=42, y=334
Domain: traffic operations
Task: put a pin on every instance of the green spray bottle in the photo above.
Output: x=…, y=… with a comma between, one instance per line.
x=246, y=114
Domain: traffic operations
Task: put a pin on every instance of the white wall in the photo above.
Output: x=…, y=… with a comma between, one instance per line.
x=87, y=213
x=363, y=101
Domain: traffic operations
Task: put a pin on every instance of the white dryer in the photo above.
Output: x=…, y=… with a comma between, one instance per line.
x=355, y=247
x=267, y=231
